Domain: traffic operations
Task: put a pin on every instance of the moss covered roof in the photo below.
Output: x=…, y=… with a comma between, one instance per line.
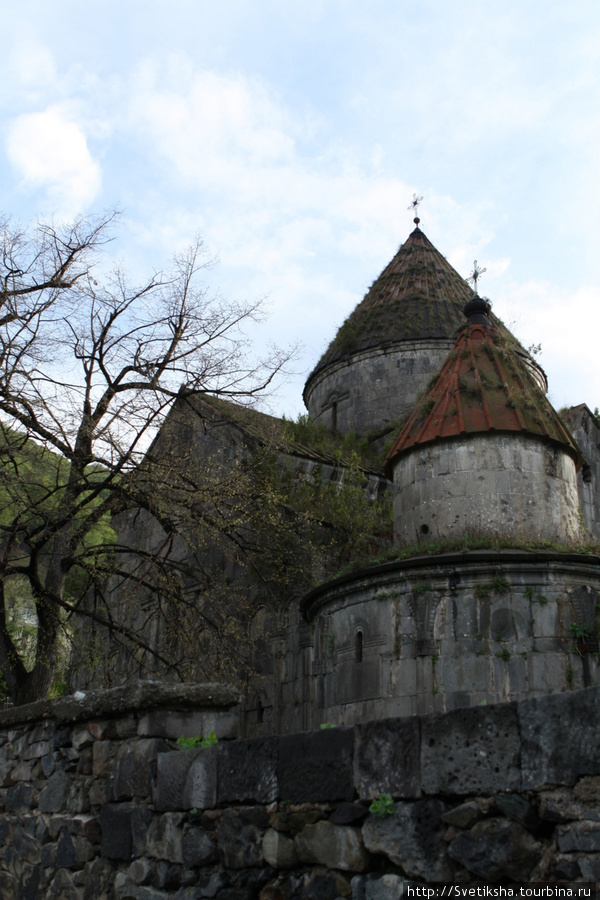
x=484, y=385
x=418, y=295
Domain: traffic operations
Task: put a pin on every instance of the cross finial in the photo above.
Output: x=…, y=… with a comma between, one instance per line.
x=475, y=274
x=414, y=205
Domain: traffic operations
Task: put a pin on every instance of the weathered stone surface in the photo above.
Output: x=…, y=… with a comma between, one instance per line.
x=463, y=816
x=559, y=735
x=200, y=788
x=98, y=878
x=411, y=838
x=140, y=871
x=172, y=724
x=247, y=771
x=279, y=850
x=517, y=808
x=29, y=887
x=124, y=828
x=19, y=798
x=53, y=795
x=497, y=849
x=210, y=886
x=197, y=849
x=470, y=751
x=580, y=836
x=348, y=814
x=133, y=768
x=239, y=842
x=334, y=846
x=317, y=766
x=134, y=696
x=589, y=865
x=9, y=886
x=163, y=840
x=63, y=887
x=377, y=887
x=172, y=773
x=65, y=852
x=292, y=821
x=387, y=758
x=313, y=885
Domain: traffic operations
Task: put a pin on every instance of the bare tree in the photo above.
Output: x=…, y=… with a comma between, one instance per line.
x=88, y=373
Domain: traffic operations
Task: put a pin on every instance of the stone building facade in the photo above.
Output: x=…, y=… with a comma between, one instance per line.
x=478, y=449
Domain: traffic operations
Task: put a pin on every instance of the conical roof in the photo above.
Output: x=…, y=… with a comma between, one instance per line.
x=484, y=385
x=418, y=295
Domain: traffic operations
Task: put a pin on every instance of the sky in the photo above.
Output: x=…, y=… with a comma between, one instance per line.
x=294, y=136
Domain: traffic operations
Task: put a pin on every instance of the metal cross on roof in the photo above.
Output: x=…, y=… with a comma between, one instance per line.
x=414, y=205
x=475, y=274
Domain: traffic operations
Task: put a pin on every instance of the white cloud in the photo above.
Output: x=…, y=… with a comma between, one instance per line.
x=49, y=151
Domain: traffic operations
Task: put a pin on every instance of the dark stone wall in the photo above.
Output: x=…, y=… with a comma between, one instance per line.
x=97, y=802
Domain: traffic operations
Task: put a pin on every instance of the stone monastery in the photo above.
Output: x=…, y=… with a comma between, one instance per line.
x=481, y=451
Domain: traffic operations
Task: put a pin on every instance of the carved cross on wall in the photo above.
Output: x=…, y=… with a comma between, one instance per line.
x=475, y=274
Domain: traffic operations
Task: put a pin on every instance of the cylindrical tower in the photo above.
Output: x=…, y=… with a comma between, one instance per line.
x=484, y=451
x=393, y=342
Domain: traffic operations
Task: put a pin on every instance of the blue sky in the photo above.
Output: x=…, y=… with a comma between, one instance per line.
x=293, y=136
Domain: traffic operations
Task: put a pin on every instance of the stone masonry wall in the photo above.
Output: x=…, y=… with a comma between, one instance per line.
x=97, y=803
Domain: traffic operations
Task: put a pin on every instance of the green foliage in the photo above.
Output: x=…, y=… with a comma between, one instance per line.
x=500, y=585
x=422, y=588
x=382, y=806
x=473, y=541
x=579, y=631
x=325, y=725
x=528, y=592
x=58, y=689
x=191, y=743
x=340, y=448
x=504, y=655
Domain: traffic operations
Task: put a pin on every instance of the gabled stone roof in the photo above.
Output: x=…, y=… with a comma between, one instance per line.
x=484, y=385
x=418, y=295
x=267, y=430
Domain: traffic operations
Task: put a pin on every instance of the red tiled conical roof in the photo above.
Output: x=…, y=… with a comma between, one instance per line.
x=484, y=385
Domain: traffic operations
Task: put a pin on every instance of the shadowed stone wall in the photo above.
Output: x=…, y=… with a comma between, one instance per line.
x=374, y=388
x=96, y=803
x=439, y=632
x=486, y=483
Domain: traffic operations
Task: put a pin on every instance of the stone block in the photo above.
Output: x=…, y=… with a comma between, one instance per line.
x=377, y=887
x=387, y=758
x=124, y=828
x=103, y=752
x=463, y=816
x=239, y=842
x=164, y=837
x=279, y=850
x=133, y=768
x=200, y=788
x=412, y=837
x=469, y=751
x=197, y=848
x=559, y=736
x=19, y=799
x=172, y=773
x=35, y=751
x=247, y=771
x=581, y=837
x=53, y=795
x=497, y=850
x=316, y=766
x=333, y=846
